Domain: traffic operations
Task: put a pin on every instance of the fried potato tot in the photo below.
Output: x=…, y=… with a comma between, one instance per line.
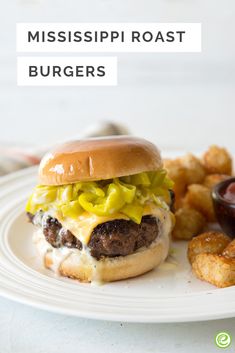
x=212, y=179
x=179, y=202
x=215, y=269
x=189, y=222
x=199, y=197
x=194, y=170
x=217, y=160
x=178, y=174
x=209, y=242
x=229, y=251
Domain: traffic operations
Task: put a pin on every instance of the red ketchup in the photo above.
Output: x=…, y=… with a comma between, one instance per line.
x=229, y=194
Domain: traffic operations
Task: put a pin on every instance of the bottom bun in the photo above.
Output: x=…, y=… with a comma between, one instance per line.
x=79, y=264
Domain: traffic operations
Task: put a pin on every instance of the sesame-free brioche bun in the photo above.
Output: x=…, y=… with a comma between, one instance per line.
x=110, y=269
x=98, y=159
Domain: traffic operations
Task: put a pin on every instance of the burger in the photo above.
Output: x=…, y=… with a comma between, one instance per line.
x=102, y=209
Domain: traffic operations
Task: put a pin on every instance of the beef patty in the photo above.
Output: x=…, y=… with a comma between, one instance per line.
x=112, y=238
x=122, y=237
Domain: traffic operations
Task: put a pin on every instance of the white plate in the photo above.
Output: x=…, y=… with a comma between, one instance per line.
x=168, y=294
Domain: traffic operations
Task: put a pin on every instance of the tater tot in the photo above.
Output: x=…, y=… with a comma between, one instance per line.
x=177, y=173
x=229, y=251
x=215, y=269
x=209, y=242
x=217, y=160
x=195, y=172
x=199, y=197
x=189, y=223
x=212, y=179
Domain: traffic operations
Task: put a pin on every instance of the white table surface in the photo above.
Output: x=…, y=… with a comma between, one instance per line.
x=183, y=101
x=24, y=329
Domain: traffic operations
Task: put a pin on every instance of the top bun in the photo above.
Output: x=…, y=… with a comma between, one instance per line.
x=98, y=159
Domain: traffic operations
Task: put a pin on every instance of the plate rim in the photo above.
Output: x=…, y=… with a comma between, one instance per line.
x=220, y=314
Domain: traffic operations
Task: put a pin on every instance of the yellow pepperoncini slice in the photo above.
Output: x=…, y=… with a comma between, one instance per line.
x=40, y=198
x=137, y=179
x=128, y=191
x=44, y=194
x=92, y=187
x=103, y=206
x=133, y=211
x=71, y=209
x=127, y=194
x=65, y=194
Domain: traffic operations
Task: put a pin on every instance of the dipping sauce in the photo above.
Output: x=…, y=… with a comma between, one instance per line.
x=229, y=194
x=223, y=196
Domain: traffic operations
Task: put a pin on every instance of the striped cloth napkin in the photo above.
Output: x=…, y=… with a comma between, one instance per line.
x=15, y=158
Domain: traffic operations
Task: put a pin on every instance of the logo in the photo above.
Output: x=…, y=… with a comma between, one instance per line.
x=223, y=339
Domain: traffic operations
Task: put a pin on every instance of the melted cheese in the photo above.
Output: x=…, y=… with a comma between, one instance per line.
x=86, y=223
x=83, y=227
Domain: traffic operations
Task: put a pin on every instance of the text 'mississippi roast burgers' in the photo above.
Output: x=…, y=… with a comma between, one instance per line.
x=102, y=209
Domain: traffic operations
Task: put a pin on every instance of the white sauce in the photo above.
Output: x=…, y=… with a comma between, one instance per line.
x=61, y=254
x=58, y=254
